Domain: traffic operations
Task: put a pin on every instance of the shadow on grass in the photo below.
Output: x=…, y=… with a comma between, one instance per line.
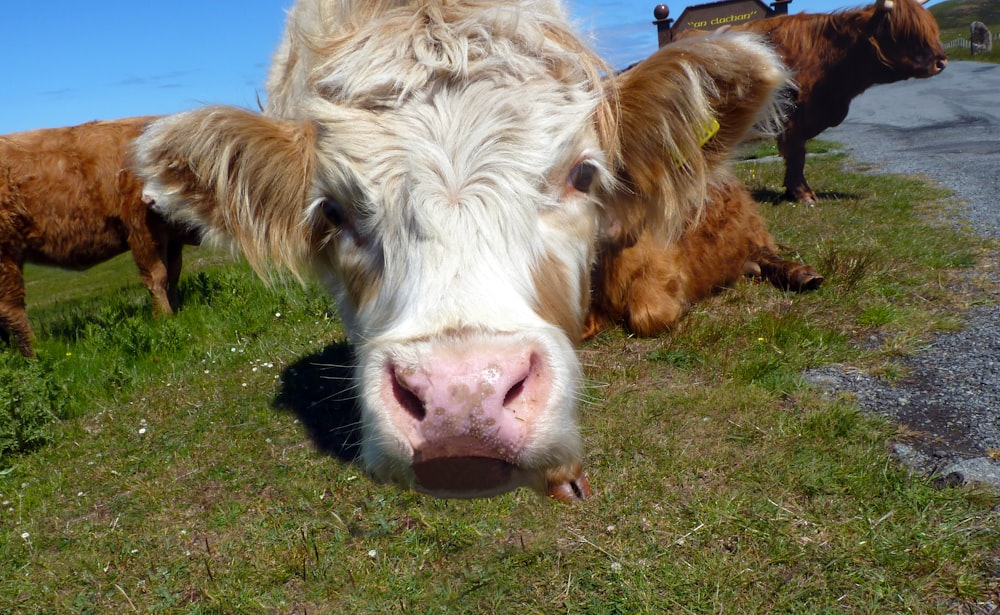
x=320, y=391
x=777, y=197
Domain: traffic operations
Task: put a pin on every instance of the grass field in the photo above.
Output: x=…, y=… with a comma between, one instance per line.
x=200, y=464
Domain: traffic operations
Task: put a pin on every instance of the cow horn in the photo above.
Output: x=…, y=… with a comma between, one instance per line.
x=884, y=5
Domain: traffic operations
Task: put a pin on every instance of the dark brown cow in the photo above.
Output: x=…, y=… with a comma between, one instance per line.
x=67, y=200
x=836, y=57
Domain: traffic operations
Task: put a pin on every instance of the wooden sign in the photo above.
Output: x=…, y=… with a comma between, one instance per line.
x=717, y=14
x=713, y=15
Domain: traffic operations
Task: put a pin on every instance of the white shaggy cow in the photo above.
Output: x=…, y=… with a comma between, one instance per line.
x=447, y=169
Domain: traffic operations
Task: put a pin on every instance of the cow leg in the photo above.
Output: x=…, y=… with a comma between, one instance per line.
x=786, y=275
x=793, y=150
x=151, y=257
x=596, y=322
x=175, y=254
x=14, y=326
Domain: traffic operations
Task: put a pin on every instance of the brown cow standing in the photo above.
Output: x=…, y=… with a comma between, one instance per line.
x=66, y=199
x=837, y=56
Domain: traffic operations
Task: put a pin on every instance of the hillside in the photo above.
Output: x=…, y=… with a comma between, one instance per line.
x=954, y=18
x=958, y=14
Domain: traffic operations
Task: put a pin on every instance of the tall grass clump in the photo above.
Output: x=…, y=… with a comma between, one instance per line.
x=30, y=401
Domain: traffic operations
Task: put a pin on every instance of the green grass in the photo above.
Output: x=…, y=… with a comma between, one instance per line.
x=963, y=54
x=175, y=483
x=96, y=332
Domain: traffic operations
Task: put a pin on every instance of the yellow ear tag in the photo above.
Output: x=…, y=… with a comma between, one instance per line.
x=708, y=130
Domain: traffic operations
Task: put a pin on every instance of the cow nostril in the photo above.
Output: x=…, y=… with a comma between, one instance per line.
x=408, y=400
x=535, y=365
x=514, y=392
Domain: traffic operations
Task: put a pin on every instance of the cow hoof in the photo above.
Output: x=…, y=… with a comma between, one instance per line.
x=751, y=269
x=594, y=324
x=806, y=196
x=804, y=278
x=568, y=484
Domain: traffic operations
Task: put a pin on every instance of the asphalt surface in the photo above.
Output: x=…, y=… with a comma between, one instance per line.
x=946, y=128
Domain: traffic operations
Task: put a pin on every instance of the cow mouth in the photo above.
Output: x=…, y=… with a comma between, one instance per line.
x=475, y=477
x=466, y=477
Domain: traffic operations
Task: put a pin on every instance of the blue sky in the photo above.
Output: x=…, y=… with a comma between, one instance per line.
x=67, y=61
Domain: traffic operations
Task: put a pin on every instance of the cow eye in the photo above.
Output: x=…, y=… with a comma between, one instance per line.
x=581, y=176
x=333, y=211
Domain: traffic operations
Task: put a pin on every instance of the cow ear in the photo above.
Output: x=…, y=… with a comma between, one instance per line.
x=237, y=177
x=676, y=116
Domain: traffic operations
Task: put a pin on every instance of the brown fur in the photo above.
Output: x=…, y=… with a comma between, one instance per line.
x=660, y=106
x=552, y=280
x=67, y=200
x=835, y=57
x=275, y=157
x=650, y=285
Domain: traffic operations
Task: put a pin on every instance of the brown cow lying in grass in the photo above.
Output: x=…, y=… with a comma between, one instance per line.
x=650, y=285
x=66, y=199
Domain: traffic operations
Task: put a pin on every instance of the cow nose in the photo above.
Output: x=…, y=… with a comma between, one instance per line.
x=941, y=63
x=481, y=403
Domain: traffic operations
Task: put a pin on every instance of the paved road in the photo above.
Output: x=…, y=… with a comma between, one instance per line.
x=948, y=129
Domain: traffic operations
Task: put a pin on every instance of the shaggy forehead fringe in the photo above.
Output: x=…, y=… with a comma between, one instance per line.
x=909, y=19
x=371, y=52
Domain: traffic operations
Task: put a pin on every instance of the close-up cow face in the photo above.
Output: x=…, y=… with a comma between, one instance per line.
x=446, y=172
x=458, y=232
